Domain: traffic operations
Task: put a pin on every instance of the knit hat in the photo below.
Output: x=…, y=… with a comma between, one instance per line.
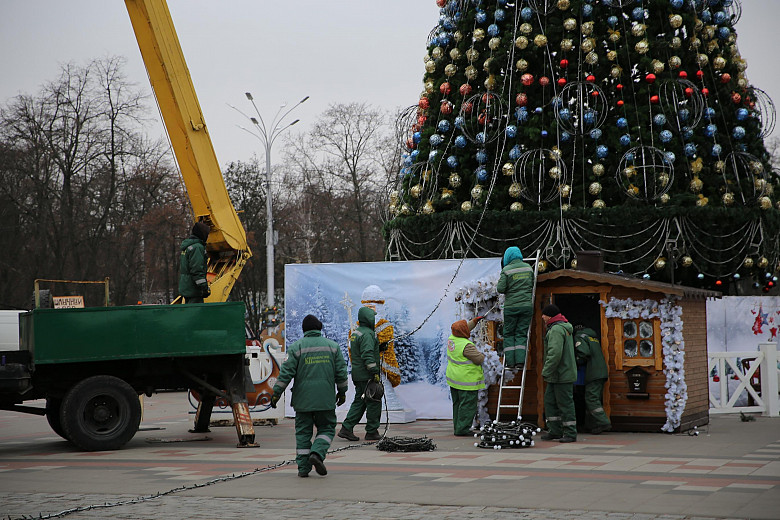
x=460, y=329
x=551, y=310
x=201, y=230
x=311, y=323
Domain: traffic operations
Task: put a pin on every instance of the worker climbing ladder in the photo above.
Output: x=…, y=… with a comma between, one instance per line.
x=502, y=382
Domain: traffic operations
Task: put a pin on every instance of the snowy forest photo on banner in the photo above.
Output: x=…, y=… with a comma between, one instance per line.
x=410, y=291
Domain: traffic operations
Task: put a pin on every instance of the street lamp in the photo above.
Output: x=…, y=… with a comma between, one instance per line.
x=267, y=137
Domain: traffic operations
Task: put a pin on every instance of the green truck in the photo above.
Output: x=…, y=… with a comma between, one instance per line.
x=91, y=365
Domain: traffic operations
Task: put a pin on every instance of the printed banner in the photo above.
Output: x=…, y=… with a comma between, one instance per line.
x=740, y=323
x=413, y=293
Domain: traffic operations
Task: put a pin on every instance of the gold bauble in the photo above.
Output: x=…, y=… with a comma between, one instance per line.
x=675, y=43
x=555, y=154
x=393, y=209
x=756, y=168
x=633, y=190
x=599, y=204
x=426, y=174
x=521, y=42
x=615, y=72
x=437, y=53
x=702, y=201
x=594, y=188
x=663, y=180
x=718, y=63
x=639, y=30
x=728, y=198
x=454, y=180
x=657, y=66
x=765, y=203
x=695, y=43
x=430, y=66
x=742, y=83
x=741, y=65
x=476, y=191
x=629, y=171
x=567, y=45
x=598, y=169
x=515, y=189
x=565, y=207
x=540, y=40
x=472, y=54
x=406, y=209
x=494, y=42
x=697, y=166
x=665, y=198
x=516, y=206
x=508, y=169
x=458, y=36
x=686, y=261
x=570, y=24
x=471, y=72
x=563, y=4
x=762, y=262
x=479, y=35
x=415, y=191
x=490, y=82
x=521, y=65
x=760, y=185
x=466, y=206
x=455, y=54
x=587, y=44
x=702, y=60
x=712, y=46
x=446, y=194
x=394, y=197
x=720, y=166
x=526, y=28
x=675, y=20
x=614, y=36
x=709, y=32
x=612, y=55
x=573, y=264
x=429, y=87
x=486, y=64
x=564, y=190
x=450, y=70
x=699, y=25
x=748, y=262
x=587, y=28
x=675, y=62
x=659, y=263
x=427, y=208
x=554, y=172
x=591, y=58
x=542, y=266
x=642, y=47
x=696, y=185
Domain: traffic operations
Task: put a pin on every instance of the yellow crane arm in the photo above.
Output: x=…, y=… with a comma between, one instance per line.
x=227, y=246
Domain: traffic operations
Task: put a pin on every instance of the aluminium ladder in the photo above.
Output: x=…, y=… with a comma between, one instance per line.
x=502, y=386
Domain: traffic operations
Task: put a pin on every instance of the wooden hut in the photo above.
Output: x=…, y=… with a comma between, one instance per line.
x=633, y=346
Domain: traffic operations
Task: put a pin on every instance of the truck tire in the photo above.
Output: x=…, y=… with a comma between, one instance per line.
x=53, y=406
x=100, y=413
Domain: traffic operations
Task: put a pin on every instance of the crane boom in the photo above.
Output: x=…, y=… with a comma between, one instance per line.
x=227, y=246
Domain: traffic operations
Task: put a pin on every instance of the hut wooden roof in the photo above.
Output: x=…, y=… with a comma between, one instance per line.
x=627, y=281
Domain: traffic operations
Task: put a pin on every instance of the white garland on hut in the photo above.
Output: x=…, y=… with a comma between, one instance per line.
x=673, y=347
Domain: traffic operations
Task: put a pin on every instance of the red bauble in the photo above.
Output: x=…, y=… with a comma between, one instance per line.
x=446, y=107
x=441, y=3
x=650, y=78
x=483, y=118
x=527, y=79
x=521, y=99
x=595, y=93
x=700, y=74
x=564, y=63
x=725, y=78
x=620, y=103
x=415, y=127
x=683, y=74
x=465, y=89
x=467, y=108
x=424, y=103
x=445, y=88
x=421, y=120
x=410, y=143
x=688, y=91
x=619, y=86
x=487, y=98
x=654, y=100
x=736, y=98
x=591, y=78
x=705, y=92
x=544, y=81
x=561, y=82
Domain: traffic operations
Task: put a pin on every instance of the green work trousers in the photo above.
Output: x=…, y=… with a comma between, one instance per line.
x=559, y=409
x=325, y=421
x=595, y=417
x=516, y=323
x=464, y=408
x=373, y=410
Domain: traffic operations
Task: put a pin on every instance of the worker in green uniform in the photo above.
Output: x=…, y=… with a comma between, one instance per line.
x=517, y=283
x=320, y=374
x=364, y=353
x=464, y=375
x=559, y=372
x=193, y=285
x=587, y=351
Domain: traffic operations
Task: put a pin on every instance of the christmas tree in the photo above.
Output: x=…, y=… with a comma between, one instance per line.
x=625, y=126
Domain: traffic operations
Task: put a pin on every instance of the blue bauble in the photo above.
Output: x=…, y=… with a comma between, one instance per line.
x=690, y=150
x=416, y=137
x=404, y=172
x=738, y=132
x=687, y=132
x=587, y=10
x=482, y=174
x=602, y=151
x=436, y=140
x=646, y=276
x=444, y=126
x=629, y=157
x=638, y=14
x=565, y=137
x=589, y=117
x=482, y=157
x=723, y=33
x=683, y=114
x=612, y=21
x=665, y=136
x=413, y=156
x=706, y=16
x=434, y=41
x=526, y=13
x=742, y=114
x=511, y=131
x=459, y=122
x=709, y=113
x=515, y=152
x=625, y=140
x=521, y=113
x=432, y=156
x=676, y=3
x=448, y=23
x=716, y=150
x=499, y=15
x=480, y=138
x=556, y=102
x=444, y=39
x=544, y=133
x=669, y=157
x=564, y=114
x=719, y=17
x=452, y=161
x=710, y=130
x=493, y=30
x=408, y=161
x=460, y=142
x=659, y=120
x=622, y=122
x=538, y=110
x=595, y=134
x=481, y=17
x=700, y=276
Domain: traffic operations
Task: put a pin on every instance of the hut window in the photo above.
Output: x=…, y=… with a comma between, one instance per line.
x=639, y=341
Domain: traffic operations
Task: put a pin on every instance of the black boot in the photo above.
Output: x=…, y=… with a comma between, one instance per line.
x=346, y=434
x=373, y=436
x=319, y=466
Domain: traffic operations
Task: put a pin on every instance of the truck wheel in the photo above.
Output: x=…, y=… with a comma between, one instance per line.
x=100, y=413
x=53, y=406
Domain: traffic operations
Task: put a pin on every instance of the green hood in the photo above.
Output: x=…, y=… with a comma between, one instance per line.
x=366, y=317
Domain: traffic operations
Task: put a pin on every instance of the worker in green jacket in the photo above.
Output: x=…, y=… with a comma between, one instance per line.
x=559, y=372
x=517, y=283
x=587, y=351
x=193, y=285
x=320, y=374
x=465, y=376
x=364, y=353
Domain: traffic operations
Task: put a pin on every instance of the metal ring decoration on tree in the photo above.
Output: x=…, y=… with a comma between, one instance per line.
x=681, y=103
x=763, y=108
x=644, y=173
x=745, y=176
x=404, y=126
x=542, y=173
x=484, y=117
x=583, y=107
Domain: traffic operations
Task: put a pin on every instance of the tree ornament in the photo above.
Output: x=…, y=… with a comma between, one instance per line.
x=686, y=261
x=762, y=262
x=599, y=204
x=455, y=54
x=612, y=55
x=675, y=62
x=540, y=40
x=702, y=60
x=588, y=44
x=445, y=88
x=457, y=36
x=620, y=103
x=765, y=203
x=486, y=64
x=479, y=34
x=702, y=201
x=430, y=66
x=594, y=188
x=567, y=45
x=563, y=5
x=659, y=263
x=508, y=169
x=573, y=263
x=564, y=63
x=657, y=66
x=616, y=71
x=521, y=42
x=465, y=89
x=527, y=79
x=650, y=78
x=446, y=107
x=516, y=206
x=542, y=267
x=424, y=103
x=664, y=198
x=570, y=24
x=471, y=72
x=490, y=82
x=654, y=99
x=465, y=207
x=561, y=82
x=564, y=190
x=515, y=189
x=725, y=77
x=406, y=209
x=427, y=208
x=639, y=30
x=719, y=63
x=591, y=78
x=521, y=99
x=696, y=185
x=476, y=191
x=454, y=180
x=676, y=21
x=472, y=54
x=521, y=65
x=587, y=28
x=429, y=87
x=728, y=198
x=494, y=43
x=613, y=35
x=544, y=81
x=736, y=98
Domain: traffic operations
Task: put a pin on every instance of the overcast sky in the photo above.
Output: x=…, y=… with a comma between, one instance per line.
x=334, y=51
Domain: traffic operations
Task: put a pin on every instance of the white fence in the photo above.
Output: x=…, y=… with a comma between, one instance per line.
x=756, y=373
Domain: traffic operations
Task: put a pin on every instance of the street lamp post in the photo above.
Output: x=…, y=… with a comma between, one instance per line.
x=267, y=137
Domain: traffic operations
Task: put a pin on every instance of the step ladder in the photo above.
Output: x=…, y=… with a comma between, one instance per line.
x=502, y=383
